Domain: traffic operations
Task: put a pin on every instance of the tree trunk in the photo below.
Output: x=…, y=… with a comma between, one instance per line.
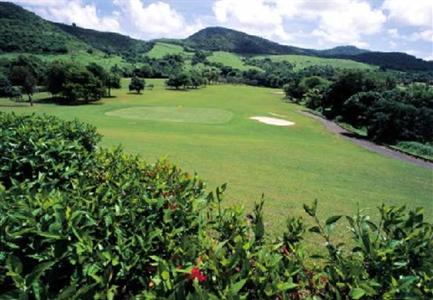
x=30, y=100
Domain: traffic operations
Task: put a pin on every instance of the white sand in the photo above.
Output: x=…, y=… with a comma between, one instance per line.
x=272, y=121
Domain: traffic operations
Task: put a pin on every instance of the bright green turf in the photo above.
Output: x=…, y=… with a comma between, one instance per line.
x=178, y=114
x=290, y=165
x=160, y=50
x=303, y=61
x=229, y=59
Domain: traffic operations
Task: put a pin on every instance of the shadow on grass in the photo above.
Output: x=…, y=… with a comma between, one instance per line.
x=64, y=102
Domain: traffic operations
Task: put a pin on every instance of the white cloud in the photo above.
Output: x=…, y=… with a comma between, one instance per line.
x=425, y=35
x=72, y=11
x=413, y=13
x=158, y=19
x=252, y=16
x=336, y=21
x=348, y=21
x=393, y=32
x=429, y=58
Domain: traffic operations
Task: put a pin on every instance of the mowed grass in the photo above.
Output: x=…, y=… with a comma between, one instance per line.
x=304, y=61
x=290, y=165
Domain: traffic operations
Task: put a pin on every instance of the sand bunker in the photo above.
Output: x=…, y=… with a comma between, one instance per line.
x=272, y=121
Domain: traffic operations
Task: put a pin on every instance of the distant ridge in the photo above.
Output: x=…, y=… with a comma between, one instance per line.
x=224, y=39
x=109, y=42
x=25, y=32
x=342, y=50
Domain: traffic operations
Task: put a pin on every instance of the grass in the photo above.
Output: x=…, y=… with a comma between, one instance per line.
x=82, y=57
x=229, y=59
x=160, y=50
x=290, y=165
x=303, y=61
x=177, y=114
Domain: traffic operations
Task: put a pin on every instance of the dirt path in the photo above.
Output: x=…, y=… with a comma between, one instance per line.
x=333, y=127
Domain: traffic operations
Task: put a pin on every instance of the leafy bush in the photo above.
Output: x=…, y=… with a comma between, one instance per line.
x=120, y=228
x=423, y=150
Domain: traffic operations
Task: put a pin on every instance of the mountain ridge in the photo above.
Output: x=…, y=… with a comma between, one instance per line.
x=23, y=31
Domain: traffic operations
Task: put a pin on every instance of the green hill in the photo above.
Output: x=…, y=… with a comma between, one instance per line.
x=223, y=39
x=342, y=50
x=23, y=31
x=392, y=60
x=304, y=61
x=108, y=42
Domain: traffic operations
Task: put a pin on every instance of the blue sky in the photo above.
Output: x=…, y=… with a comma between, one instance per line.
x=384, y=25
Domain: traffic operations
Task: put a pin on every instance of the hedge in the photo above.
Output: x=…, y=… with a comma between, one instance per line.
x=92, y=223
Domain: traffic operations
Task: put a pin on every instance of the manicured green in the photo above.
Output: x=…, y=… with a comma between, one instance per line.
x=174, y=114
x=291, y=165
x=303, y=61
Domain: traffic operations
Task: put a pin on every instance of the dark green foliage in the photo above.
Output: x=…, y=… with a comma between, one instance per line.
x=112, y=82
x=356, y=109
x=23, y=77
x=199, y=57
x=23, y=31
x=137, y=84
x=33, y=64
x=160, y=68
x=347, y=85
x=82, y=222
x=392, y=60
x=108, y=42
x=5, y=86
x=181, y=79
x=223, y=39
x=43, y=150
x=75, y=83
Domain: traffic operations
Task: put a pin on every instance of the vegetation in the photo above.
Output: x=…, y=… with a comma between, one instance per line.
x=159, y=50
x=103, y=224
x=137, y=84
x=284, y=166
x=421, y=150
x=23, y=31
x=111, y=43
x=302, y=61
x=228, y=40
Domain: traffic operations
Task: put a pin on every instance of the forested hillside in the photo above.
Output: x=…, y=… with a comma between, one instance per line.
x=109, y=42
x=23, y=31
x=223, y=39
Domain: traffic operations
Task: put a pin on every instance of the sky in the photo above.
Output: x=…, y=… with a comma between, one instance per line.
x=381, y=25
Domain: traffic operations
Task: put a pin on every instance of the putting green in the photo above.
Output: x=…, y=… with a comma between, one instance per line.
x=178, y=114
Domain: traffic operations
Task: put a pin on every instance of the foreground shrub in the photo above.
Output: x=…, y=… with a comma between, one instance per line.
x=127, y=229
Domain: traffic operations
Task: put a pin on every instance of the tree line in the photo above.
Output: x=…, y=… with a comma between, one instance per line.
x=388, y=112
x=67, y=82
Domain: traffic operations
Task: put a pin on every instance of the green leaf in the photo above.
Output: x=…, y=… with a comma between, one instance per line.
x=357, y=293
x=315, y=229
x=332, y=220
x=38, y=271
x=311, y=210
x=165, y=275
x=286, y=286
x=236, y=287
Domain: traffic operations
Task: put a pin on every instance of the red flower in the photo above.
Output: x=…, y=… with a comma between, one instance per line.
x=197, y=274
